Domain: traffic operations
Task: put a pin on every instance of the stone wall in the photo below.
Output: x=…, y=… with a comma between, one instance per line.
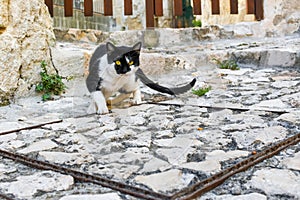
x=281, y=17
x=25, y=35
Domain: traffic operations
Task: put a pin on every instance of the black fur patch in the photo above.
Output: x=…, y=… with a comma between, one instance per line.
x=98, y=87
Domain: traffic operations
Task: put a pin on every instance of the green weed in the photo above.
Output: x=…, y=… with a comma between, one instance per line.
x=197, y=23
x=227, y=64
x=51, y=84
x=201, y=91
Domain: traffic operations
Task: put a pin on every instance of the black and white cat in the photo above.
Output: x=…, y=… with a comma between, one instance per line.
x=116, y=69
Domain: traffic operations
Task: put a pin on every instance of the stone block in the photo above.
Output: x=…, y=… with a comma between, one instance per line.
x=280, y=58
x=150, y=38
x=126, y=37
x=24, y=44
x=3, y=14
x=247, y=56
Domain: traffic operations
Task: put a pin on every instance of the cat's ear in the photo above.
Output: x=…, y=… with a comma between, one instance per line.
x=110, y=47
x=137, y=46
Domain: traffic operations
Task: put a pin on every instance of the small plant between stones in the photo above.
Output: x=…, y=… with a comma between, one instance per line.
x=51, y=84
x=197, y=23
x=227, y=64
x=201, y=91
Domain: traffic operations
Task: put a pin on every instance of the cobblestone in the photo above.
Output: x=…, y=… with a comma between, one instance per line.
x=165, y=146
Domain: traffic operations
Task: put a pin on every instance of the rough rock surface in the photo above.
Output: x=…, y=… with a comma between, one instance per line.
x=25, y=36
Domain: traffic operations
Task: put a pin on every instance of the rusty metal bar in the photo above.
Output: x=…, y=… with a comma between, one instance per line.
x=30, y=127
x=85, y=177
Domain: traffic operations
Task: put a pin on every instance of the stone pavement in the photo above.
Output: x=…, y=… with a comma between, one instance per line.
x=168, y=146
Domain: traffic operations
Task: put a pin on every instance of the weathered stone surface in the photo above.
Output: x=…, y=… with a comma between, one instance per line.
x=265, y=135
x=180, y=141
x=214, y=139
x=115, y=170
x=6, y=169
x=112, y=196
x=28, y=186
x=126, y=38
x=290, y=117
x=8, y=137
x=65, y=57
x=24, y=44
x=253, y=196
x=4, y=15
x=276, y=181
x=12, y=144
x=173, y=179
x=142, y=139
x=281, y=58
x=274, y=103
x=8, y=126
x=208, y=166
x=66, y=158
x=212, y=162
x=164, y=134
x=132, y=155
x=155, y=164
x=284, y=84
x=293, y=162
x=39, y=146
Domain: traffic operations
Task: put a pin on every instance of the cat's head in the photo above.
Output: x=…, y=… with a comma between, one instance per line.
x=125, y=59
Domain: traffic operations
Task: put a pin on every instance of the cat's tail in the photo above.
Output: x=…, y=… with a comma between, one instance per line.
x=172, y=91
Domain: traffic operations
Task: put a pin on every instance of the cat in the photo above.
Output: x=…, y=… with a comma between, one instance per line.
x=116, y=69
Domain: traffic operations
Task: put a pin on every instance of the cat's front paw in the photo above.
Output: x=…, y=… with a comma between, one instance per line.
x=137, y=101
x=103, y=110
x=137, y=97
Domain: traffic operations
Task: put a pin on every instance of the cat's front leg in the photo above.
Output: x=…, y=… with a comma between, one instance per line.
x=137, y=96
x=99, y=102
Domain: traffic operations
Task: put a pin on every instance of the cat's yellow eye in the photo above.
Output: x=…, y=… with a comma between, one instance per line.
x=118, y=62
x=130, y=63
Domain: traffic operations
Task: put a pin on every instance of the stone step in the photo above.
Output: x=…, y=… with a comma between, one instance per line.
x=248, y=52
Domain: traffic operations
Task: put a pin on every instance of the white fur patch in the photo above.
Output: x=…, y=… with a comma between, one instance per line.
x=137, y=97
x=99, y=103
